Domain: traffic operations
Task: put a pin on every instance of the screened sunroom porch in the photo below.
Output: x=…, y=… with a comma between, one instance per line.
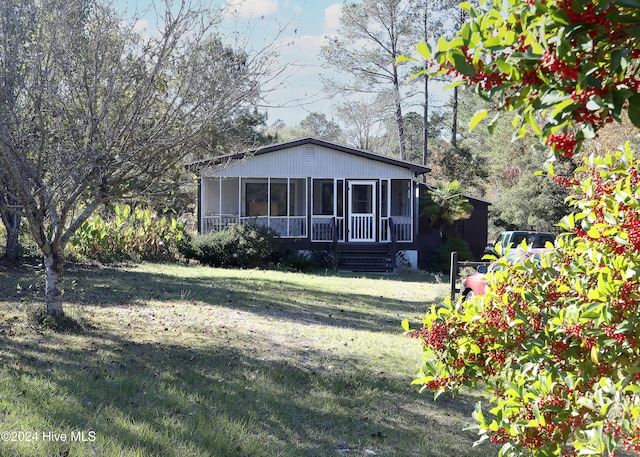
x=318, y=209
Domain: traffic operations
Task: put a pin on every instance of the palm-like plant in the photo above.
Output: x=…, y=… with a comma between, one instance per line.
x=445, y=204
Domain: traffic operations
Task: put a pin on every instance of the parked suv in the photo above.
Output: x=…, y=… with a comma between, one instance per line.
x=514, y=238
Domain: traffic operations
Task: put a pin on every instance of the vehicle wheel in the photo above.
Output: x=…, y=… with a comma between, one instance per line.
x=469, y=295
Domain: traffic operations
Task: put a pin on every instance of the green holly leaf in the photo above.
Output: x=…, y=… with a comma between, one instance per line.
x=634, y=109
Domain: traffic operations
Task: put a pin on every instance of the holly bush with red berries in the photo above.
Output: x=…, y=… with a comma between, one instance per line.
x=555, y=343
x=567, y=67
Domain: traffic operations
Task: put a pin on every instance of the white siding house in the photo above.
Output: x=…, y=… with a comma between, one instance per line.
x=312, y=191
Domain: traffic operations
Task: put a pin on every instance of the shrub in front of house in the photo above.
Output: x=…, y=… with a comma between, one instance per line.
x=131, y=234
x=441, y=259
x=239, y=246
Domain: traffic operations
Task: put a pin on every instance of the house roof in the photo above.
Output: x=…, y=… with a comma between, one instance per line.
x=417, y=169
x=469, y=197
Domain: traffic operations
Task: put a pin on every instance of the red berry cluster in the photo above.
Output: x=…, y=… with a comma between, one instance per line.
x=566, y=182
x=551, y=61
x=435, y=337
x=563, y=142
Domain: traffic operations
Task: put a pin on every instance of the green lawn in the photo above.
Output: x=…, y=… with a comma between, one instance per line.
x=194, y=361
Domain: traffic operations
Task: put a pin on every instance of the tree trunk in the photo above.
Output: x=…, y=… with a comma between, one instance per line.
x=399, y=119
x=54, y=266
x=425, y=123
x=9, y=206
x=11, y=252
x=425, y=114
x=454, y=122
x=11, y=223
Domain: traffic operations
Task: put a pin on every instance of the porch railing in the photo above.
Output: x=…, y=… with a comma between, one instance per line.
x=323, y=228
x=402, y=229
x=362, y=228
x=286, y=226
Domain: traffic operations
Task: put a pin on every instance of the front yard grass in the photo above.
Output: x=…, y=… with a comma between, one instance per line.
x=176, y=360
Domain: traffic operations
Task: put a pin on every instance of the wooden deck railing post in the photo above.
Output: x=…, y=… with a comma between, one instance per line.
x=334, y=246
x=393, y=248
x=453, y=275
x=453, y=272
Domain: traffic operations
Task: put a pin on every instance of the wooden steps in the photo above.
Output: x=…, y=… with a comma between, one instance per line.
x=365, y=257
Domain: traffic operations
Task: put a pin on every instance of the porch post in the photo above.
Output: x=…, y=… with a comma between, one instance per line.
x=199, y=206
x=309, y=203
x=415, y=211
x=389, y=196
x=239, y=200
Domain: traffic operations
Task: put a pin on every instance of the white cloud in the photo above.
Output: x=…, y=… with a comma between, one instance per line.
x=141, y=26
x=332, y=15
x=304, y=49
x=250, y=8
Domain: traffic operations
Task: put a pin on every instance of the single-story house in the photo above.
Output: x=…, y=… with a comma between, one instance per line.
x=319, y=196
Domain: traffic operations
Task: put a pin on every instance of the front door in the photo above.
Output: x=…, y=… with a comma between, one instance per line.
x=362, y=211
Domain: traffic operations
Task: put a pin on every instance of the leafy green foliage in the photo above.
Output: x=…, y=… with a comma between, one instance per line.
x=532, y=203
x=554, y=342
x=440, y=260
x=445, y=204
x=240, y=245
x=573, y=61
x=136, y=234
x=300, y=261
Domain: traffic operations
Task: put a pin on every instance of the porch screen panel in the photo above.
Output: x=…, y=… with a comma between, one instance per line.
x=278, y=206
x=384, y=198
x=384, y=210
x=257, y=199
x=297, y=207
x=230, y=197
x=322, y=210
x=298, y=196
x=340, y=189
x=279, y=197
x=323, y=197
x=210, y=196
x=401, y=197
x=402, y=209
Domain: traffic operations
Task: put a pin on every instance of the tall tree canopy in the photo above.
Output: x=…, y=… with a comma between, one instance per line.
x=96, y=109
x=317, y=125
x=372, y=36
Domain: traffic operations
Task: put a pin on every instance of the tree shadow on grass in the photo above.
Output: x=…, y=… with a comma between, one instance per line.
x=258, y=294
x=216, y=400
x=219, y=397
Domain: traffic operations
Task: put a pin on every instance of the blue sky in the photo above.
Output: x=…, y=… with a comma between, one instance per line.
x=306, y=23
x=297, y=28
